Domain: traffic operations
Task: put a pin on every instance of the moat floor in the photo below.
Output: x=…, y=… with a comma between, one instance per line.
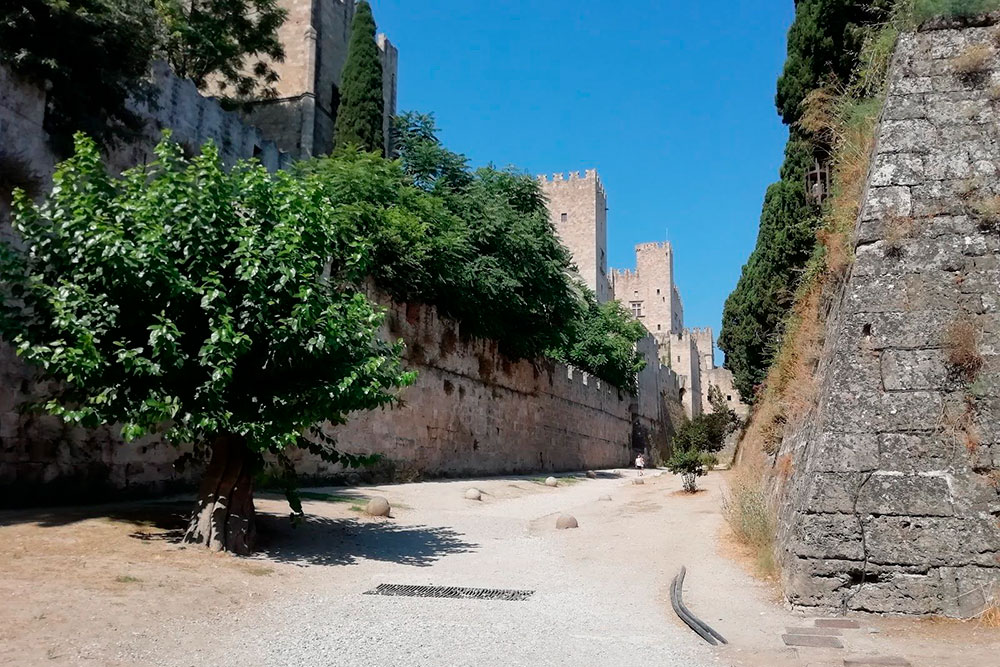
x=109, y=585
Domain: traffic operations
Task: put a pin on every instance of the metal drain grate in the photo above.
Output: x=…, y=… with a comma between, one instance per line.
x=450, y=592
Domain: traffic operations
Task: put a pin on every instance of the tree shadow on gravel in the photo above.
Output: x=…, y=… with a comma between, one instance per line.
x=326, y=541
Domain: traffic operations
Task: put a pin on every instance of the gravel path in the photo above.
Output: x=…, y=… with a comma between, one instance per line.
x=597, y=602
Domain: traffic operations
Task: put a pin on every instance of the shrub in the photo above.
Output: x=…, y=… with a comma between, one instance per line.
x=690, y=464
x=962, y=343
x=972, y=64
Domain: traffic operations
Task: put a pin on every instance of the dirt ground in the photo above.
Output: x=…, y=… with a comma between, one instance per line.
x=111, y=585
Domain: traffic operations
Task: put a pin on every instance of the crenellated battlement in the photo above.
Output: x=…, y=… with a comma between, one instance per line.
x=654, y=245
x=589, y=175
x=699, y=331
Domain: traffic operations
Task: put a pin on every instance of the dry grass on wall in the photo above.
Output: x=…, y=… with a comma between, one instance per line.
x=790, y=388
x=838, y=117
x=750, y=509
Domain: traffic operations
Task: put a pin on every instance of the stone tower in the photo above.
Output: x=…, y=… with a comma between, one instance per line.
x=578, y=209
x=649, y=291
x=315, y=37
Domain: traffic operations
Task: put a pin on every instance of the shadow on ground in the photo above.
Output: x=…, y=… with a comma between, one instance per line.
x=327, y=541
x=315, y=540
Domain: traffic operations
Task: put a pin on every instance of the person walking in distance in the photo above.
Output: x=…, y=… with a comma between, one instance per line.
x=640, y=463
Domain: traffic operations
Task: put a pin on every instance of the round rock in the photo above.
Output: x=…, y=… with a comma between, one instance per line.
x=377, y=506
x=474, y=494
x=591, y=474
x=605, y=497
x=551, y=481
x=639, y=481
x=566, y=521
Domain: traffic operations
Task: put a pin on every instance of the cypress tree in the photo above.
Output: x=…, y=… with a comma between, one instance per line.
x=359, y=118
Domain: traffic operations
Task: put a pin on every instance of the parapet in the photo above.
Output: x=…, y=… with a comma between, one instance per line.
x=654, y=245
x=572, y=176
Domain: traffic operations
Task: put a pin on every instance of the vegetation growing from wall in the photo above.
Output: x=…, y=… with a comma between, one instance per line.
x=359, y=117
x=89, y=55
x=480, y=247
x=823, y=46
x=211, y=306
x=843, y=118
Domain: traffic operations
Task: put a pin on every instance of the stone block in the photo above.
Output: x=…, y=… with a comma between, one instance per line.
x=812, y=641
x=907, y=136
x=891, y=200
x=914, y=370
x=905, y=495
x=843, y=452
x=911, y=453
x=828, y=536
x=934, y=541
x=908, y=411
x=833, y=632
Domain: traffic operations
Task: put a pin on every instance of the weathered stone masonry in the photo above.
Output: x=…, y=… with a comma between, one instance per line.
x=892, y=504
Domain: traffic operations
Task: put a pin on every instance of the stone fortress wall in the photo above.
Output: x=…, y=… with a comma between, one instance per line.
x=893, y=499
x=472, y=411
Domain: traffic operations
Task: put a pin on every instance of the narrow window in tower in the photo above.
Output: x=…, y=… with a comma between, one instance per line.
x=729, y=397
x=657, y=327
x=563, y=217
x=636, y=307
x=678, y=359
x=657, y=292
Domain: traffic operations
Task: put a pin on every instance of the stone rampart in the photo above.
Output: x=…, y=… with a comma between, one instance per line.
x=892, y=502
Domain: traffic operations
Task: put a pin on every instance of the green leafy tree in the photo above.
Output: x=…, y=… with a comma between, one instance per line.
x=90, y=55
x=603, y=343
x=208, y=306
x=233, y=42
x=359, y=117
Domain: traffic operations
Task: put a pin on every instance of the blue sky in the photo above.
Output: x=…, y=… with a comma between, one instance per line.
x=672, y=102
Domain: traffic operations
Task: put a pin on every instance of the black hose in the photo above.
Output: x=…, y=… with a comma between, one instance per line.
x=703, y=629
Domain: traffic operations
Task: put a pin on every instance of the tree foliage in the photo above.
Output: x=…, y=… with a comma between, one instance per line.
x=93, y=55
x=232, y=41
x=90, y=55
x=603, y=342
x=480, y=247
x=360, y=115
x=823, y=45
x=690, y=464
x=196, y=302
x=707, y=432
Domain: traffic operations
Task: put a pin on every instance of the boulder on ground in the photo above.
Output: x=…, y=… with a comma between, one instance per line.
x=605, y=497
x=377, y=506
x=591, y=474
x=474, y=494
x=638, y=480
x=566, y=521
x=551, y=481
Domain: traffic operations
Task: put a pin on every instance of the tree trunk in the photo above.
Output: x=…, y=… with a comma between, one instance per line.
x=224, y=519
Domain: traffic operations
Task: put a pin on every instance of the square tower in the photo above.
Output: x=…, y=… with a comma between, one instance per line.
x=578, y=209
x=650, y=293
x=315, y=37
